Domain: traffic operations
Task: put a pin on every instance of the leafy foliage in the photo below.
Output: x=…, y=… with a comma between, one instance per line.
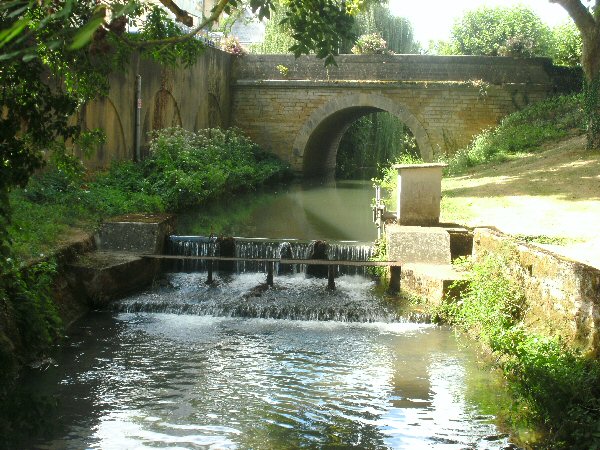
x=370, y=44
x=556, y=384
x=397, y=31
x=523, y=131
x=184, y=169
x=501, y=31
x=371, y=143
x=566, y=45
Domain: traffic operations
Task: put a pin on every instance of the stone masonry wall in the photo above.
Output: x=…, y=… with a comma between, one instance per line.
x=275, y=113
x=563, y=295
x=445, y=100
x=193, y=98
x=493, y=70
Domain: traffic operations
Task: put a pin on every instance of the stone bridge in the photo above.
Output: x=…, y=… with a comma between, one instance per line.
x=301, y=116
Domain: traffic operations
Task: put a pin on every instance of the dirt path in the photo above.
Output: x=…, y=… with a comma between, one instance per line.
x=554, y=194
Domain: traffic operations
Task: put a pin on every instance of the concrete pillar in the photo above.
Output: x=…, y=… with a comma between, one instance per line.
x=419, y=193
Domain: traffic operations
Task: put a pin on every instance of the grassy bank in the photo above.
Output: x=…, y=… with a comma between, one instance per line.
x=556, y=387
x=184, y=170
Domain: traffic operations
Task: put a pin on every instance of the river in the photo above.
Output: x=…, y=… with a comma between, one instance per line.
x=238, y=365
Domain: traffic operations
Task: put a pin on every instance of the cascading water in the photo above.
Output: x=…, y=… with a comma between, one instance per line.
x=294, y=296
x=254, y=249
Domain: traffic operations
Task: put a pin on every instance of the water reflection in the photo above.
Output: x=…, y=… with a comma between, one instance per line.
x=338, y=210
x=183, y=381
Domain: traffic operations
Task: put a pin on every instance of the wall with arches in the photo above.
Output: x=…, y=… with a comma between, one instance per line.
x=193, y=98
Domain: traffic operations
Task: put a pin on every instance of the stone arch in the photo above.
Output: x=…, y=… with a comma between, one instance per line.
x=102, y=113
x=315, y=146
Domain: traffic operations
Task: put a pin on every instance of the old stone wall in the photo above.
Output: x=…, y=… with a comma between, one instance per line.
x=193, y=98
x=493, y=70
x=563, y=296
x=444, y=116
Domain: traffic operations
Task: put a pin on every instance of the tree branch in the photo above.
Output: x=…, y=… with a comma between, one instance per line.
x=181, y=15
x=583, y=18
x=214, y=17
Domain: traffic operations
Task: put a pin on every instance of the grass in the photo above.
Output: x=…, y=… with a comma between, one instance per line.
x=184, y=170
x=522, y=132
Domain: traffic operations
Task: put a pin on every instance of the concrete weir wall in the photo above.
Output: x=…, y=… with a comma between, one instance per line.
x=192, y=98
x=563, y=295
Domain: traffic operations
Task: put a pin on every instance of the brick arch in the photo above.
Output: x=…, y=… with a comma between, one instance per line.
x=315, y=146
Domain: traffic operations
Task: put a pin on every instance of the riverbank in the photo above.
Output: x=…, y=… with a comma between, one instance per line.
x=550, y=198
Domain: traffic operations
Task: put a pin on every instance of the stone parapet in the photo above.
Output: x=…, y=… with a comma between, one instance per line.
x=563, y=295
x=420, y=245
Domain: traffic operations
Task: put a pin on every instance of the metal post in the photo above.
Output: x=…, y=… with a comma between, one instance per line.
x=138, y=118
x=395, y=274
x=331, y=277
x=209, y=278
x=270, y=265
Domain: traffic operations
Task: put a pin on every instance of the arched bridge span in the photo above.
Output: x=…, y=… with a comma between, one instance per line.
x=445, y=101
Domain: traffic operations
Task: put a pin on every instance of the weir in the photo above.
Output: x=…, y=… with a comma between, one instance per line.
x=281, y=256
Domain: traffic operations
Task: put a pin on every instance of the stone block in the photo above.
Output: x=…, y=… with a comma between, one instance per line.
x=435, y=283
x=136, y=233
x=105, y=276
x=411, y=244
x=419, y=193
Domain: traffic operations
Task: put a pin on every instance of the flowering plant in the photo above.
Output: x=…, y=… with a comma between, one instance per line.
x=370, y=44
x=232, y=45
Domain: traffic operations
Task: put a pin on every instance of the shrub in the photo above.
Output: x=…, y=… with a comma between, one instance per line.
x=232, y=45
x=501, y=31
x=566, y=45
x=370, y=44
x=522, y=131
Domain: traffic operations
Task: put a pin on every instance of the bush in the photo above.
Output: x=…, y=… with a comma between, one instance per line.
x=370, y=44
x=522, y=131
x=232, y=45
x=566, y=45
x=501, y=31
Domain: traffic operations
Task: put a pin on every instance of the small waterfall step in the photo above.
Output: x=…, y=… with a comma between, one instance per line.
x=254, y=254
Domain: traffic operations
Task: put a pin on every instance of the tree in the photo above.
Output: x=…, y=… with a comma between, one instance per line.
x=587, y=22
x=501, y=31
x=566, y=45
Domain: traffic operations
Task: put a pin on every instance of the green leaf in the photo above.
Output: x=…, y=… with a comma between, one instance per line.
x=83, y=36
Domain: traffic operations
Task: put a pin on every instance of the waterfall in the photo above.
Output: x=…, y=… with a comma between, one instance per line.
x=298, y=292
x=259, y=248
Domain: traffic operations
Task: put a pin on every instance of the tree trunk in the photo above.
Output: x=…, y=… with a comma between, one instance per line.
x=591, y=67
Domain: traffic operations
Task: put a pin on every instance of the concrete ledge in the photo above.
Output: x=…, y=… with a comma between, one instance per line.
x=136, y=233
x=105, y=276
x=436, y=283
x=424, y=245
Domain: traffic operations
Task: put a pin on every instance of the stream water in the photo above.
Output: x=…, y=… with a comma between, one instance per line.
x=236, y=364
